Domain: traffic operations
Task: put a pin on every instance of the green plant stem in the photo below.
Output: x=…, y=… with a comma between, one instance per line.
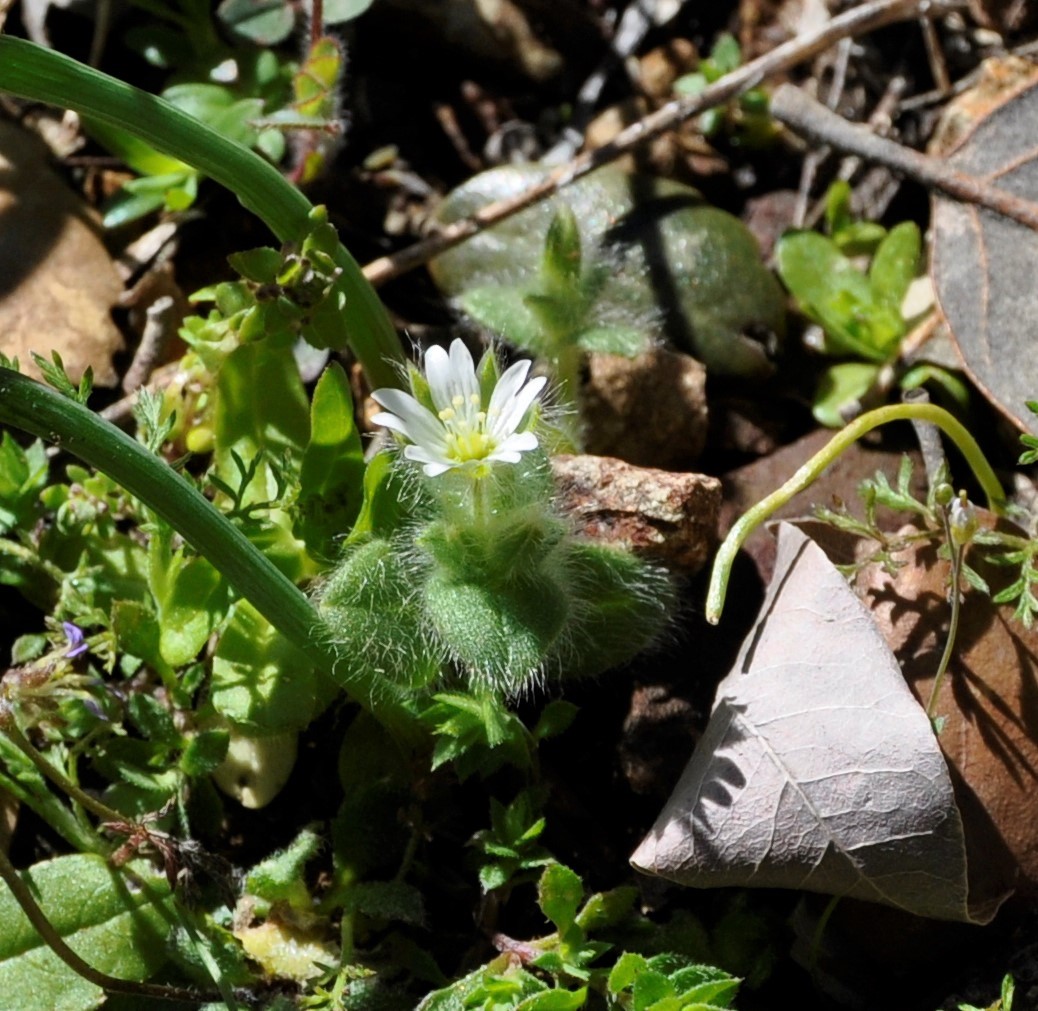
x=112, y=984
x=32, y=72
x=39, y=410
x=58, y=778
x=957, y=556
x=814, y=467
x=41, y=800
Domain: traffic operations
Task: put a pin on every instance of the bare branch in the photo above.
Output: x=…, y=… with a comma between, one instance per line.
x=865, y=17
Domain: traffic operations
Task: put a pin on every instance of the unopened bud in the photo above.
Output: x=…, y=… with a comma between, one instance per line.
x=962, y=521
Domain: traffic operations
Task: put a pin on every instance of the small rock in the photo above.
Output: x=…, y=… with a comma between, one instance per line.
x=664, y=517
x=650, y=410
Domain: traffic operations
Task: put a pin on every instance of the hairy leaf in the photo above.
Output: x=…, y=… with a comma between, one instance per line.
x=117, y=931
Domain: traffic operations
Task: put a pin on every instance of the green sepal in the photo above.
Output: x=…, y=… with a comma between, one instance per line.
x=488, y=372
x=368, y=604
x=622, y=604
x=508, y=546
x=501, y=634
x=383, y=508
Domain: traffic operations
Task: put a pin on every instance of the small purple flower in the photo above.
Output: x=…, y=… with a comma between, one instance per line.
x=77, y=644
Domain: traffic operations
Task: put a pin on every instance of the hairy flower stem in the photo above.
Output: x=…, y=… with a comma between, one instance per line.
x=814, y=467
x=30, y=71
x=39, y=410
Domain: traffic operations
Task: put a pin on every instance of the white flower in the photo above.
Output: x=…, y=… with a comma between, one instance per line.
x=464, y=432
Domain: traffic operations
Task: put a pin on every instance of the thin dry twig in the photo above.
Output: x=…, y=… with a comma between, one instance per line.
x=864, y=18
x=789, y=105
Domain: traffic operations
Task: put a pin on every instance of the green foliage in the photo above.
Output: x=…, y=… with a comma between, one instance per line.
x=54, y=374
x=155, y=684
x=1004, y=1002
x=23, y=476
x=859, y=309
x=164, y=182
x=567, y=969
x=511, y=845
x=118, y=930
x=860, y=312
x=271, y=22
x=746, y=121
x=1029, y=442
x=280, y=878
x=249, y=94
x=656, y=263
x=560, y=311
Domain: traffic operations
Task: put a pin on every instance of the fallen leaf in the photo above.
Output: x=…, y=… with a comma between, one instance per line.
x=679, y=269
x=988, y=700
x=57, y=282
x=983, y=263
x=818, y=769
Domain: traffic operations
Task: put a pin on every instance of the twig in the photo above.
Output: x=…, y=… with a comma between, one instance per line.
x=161, y=322
x=791, y=106
x=863, y=18
x=637, y=21
x=935, y=462
x=112, y=984
x=880, y=122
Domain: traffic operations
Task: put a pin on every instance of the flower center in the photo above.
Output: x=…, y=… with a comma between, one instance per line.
x=466, y=425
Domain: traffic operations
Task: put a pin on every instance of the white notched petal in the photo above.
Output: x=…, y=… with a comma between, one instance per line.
x=438, y=374
x=507, y=387
x=419, y=423
x=521, y=442
x=434, y=463
x=463, y=370
x=460, y=434
x=498, y=457
x=513, y=414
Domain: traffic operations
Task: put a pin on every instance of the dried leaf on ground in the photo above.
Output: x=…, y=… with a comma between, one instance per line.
x=987, y=701
x=983, y=263
x=818, y=770
x=57, y=282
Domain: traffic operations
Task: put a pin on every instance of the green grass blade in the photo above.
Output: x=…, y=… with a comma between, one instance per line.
x=32, y=72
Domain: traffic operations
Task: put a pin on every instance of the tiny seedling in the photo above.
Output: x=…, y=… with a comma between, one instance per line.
x=859, y=309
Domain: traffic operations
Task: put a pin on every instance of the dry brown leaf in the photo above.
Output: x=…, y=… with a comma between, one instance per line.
x=989, y=699
x=983, y=264
x=57, y=282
